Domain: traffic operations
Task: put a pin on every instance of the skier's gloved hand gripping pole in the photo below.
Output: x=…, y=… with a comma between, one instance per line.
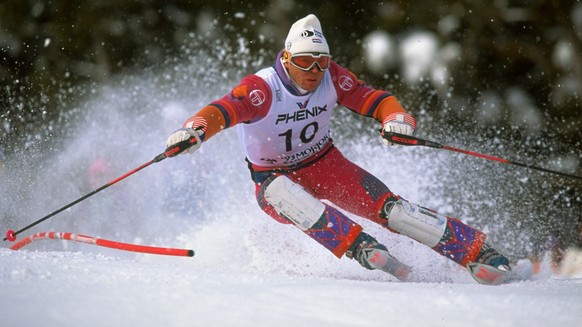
x=402, y=139
x=184, y=140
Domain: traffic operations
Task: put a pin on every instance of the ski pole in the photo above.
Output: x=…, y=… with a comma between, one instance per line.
x=169, y=152
x=411, y=140
x=102, y=242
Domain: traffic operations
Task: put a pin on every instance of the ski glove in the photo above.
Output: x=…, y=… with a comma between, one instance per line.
x=401, y=123
x=184, y=134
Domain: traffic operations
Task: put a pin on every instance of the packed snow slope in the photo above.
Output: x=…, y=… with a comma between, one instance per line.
x=63, y=288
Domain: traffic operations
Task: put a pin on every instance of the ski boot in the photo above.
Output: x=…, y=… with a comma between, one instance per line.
x=373, y=255
x=490, y=267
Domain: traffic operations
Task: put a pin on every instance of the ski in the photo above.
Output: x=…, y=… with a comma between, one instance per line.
x=396, y=268
x=488, y=275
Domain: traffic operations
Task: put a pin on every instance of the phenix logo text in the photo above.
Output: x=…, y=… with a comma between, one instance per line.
x=299, y=115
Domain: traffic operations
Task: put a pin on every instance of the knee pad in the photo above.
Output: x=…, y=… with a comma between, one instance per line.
x=323, y=223
x=291, y=201
x=416, y=222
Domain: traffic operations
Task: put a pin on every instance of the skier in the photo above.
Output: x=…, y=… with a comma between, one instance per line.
x=282, y=114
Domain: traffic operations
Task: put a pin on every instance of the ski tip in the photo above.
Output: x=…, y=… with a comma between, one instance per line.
x=403, y=273
x=190, y=253
x=489, y=275
x=397, y=269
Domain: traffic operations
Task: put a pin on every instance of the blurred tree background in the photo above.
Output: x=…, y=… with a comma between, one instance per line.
x=533, y=47
x=500, y=67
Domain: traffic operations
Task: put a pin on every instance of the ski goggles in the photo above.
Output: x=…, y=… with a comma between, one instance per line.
x=306, y=61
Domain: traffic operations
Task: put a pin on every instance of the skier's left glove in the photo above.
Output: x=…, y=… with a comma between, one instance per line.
x=185, y=134
x=401, y=123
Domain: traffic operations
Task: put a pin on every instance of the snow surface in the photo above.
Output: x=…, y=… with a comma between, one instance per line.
x=248, y=270
x=83, y=289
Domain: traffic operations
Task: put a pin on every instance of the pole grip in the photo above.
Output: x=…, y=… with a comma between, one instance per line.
x=409, y=140
x=177, y=148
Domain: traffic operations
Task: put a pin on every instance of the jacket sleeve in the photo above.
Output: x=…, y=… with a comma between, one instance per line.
x=248, y=101
x=360, y=98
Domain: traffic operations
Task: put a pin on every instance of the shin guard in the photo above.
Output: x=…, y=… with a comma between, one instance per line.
x=448, y=236
x=323, y=223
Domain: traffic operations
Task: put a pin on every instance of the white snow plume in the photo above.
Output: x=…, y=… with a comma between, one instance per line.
x=206, y=200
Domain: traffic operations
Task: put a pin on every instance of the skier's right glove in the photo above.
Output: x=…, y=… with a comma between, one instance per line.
x=185, y=134
x=401, y=123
